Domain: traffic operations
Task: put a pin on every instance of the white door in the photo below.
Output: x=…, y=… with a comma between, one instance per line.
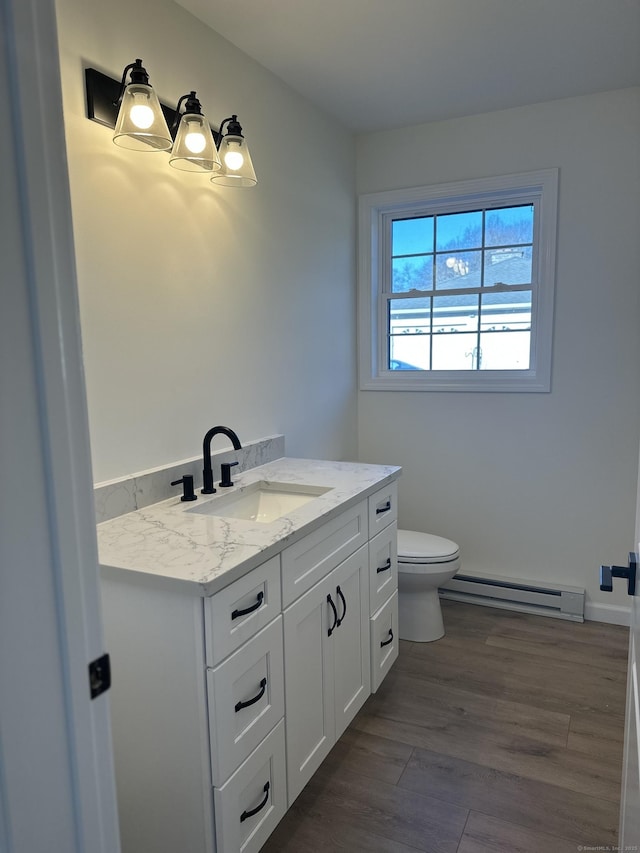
x=57, y=789
x=629, y=834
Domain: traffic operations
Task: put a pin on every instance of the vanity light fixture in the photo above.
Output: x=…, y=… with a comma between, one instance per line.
x=237, y=168
x=130, y=108
x=141, y=125
x=193, y=149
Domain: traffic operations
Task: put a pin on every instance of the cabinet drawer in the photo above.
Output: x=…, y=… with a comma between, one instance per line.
x=384, y=641
x=383, y=566
x=309, y=560
x=236, y=613
x=246, y=699
x=252, y=802
x=383, y=508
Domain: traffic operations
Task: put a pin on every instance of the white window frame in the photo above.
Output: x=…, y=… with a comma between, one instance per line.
x=539, y=188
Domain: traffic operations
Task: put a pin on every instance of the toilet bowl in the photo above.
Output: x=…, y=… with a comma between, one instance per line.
x=425, y=562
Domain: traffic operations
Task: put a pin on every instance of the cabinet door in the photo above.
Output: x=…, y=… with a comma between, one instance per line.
x=351, y=647
x=309, y=698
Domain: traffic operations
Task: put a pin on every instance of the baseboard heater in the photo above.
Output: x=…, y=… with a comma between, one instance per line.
x=561, y=602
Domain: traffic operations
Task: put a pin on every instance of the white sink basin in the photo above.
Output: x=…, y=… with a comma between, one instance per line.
x=262, y=501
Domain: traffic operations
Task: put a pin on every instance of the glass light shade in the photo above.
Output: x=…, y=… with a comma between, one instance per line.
x=237, y=168
x=194, y=149
x=141, y=125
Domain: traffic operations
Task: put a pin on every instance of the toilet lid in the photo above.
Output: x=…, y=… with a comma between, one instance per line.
x=415, y=547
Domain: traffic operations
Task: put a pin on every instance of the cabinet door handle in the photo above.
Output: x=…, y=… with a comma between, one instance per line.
x=344, y=607
x=257, y=698
x=384, y=508
x=259, y=808
x=335, y=615
x=390, y=640
x=238, y=613
x=386, y=566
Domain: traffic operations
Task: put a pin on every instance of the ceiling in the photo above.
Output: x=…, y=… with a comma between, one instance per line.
x=379, y=64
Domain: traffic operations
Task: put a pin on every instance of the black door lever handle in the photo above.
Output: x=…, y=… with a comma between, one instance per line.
x=608, y=573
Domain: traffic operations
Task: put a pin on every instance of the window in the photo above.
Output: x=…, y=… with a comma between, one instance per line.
x=456, y=285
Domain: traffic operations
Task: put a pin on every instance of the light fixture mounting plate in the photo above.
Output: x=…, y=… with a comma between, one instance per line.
x=103, y=93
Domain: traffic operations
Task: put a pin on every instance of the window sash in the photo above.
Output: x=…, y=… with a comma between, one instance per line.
x=471, y=325
x=378, y=210
x=480, y=290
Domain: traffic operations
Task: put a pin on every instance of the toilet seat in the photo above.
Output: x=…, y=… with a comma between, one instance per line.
x=423, y=549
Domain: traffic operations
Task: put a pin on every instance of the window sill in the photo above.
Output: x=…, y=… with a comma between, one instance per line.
x=497, y=381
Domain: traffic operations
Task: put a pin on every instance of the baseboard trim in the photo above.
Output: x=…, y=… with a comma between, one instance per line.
x=612, y=614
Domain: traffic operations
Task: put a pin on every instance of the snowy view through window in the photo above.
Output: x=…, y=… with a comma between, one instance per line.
x=461, y=290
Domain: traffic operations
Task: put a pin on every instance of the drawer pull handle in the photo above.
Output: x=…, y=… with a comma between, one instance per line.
x=384, y=508
x=386, y=566
x=238, y=613
x=335, y=616
x=259, y=808
x=344, y=607
x=390, y=640
x=257, y=698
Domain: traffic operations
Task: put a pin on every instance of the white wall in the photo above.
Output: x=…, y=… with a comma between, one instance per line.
x=204, y=305
x=532, y=485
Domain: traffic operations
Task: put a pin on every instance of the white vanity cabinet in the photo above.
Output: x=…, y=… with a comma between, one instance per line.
x=224, y=706
x=197, y=713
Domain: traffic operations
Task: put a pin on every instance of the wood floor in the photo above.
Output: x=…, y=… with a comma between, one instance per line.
x=505, y=736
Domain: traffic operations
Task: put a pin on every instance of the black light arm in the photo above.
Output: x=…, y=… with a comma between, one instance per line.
x=192, y=107
x=234, y=129
x=104, y=95
x=138, y=75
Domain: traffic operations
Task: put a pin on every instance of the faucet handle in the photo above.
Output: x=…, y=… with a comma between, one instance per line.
x=225, y=470
x=187, y=487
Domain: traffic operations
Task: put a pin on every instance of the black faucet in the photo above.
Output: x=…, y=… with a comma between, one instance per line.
x=207, y=472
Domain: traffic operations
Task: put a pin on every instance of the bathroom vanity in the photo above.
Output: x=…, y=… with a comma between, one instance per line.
x=242, y=648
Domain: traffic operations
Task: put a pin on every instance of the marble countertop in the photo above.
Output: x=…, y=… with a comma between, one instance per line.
x=201, y=554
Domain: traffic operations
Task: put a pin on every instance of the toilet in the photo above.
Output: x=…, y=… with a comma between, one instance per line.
x=425, y=562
